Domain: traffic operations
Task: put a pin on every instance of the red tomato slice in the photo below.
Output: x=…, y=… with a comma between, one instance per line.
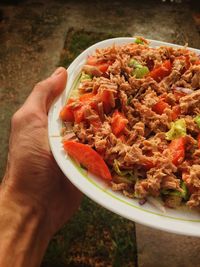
x=96, y=123
x=66, y=114
x=86, y=97
x=160, y=107
x=92, y=61
x=107, y=97
x=89, y=158
x=103, y=67
x=79, y=114
x=118, y=123
x=176, y=111
x=160, y=72
x=177, y=149
x=91, y=99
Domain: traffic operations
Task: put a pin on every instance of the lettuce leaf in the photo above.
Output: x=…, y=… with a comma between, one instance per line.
x=178, y=129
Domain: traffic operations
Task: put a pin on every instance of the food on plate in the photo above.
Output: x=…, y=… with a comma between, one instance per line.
x=133, y=119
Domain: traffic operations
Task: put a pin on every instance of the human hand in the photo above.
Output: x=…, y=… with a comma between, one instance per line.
x=33, y=184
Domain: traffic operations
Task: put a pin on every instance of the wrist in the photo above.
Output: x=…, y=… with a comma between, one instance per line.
x=23, y=232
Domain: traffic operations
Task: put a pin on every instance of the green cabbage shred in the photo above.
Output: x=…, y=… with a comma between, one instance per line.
x=184, y=194
x=139, y=41
x=126, y=174
x=139, y=70
x=197, y=120
x=85, y=77
x=178, y=129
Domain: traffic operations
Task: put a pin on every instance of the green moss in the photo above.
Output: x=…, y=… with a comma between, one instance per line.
x=93, y=235
x=77, y=41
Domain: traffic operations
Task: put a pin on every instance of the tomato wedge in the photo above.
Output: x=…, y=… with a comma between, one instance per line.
x=92, y=61
x=66, y=114
x=79, y=113
x=160, y=106
x=177, y=149
x=160, y=72
x=86, y=97
x=108, y=100
x=118, y=123
x=96, y=123
x=176, y=111
x=89, y=158
x=101, y=65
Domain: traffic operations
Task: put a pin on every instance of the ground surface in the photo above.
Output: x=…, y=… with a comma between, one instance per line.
x=35, y=37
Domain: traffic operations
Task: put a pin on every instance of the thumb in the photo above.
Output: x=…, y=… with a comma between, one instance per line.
x=47, y=90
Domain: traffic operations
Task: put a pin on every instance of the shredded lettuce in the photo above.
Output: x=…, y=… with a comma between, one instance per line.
x=139, y=41
x=139, y=70
x=85, y=77
x=134, y=63
x=117, y=169
x=184, y=194
x=126, y=174
x=197, y=120
x=178, y=129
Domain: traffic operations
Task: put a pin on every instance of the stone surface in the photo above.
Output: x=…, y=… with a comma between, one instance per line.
x=161, y=249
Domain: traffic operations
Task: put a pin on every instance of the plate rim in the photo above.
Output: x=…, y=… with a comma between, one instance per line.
x=69, y=174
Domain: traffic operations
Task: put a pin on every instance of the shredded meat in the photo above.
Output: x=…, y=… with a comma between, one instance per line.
x=119, y=187
x=190, y=103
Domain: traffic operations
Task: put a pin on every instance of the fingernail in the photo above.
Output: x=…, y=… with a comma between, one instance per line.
x=57, y=71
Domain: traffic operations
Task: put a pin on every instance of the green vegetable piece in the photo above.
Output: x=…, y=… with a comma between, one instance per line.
x=178, y=129
x=129, y=100
x=126, y=174
x=140, y=72
x=117, y=170
x=197, y=120
x=85, y=77
x=134, y=63
x=184, y=194
x=139, y=41
x=169, y=192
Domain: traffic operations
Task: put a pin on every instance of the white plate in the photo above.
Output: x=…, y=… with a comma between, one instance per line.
x=181, y=221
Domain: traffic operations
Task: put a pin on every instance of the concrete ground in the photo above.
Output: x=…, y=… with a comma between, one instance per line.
x=32, y=37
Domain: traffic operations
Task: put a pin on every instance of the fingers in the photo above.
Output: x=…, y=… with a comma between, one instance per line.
x=46, y=91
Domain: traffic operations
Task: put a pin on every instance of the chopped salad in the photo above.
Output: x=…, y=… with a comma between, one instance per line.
x=133, y=119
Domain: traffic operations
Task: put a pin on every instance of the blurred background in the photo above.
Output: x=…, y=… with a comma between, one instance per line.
x=37, y=36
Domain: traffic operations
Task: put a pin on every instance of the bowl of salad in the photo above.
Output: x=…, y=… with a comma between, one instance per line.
x=126, y=131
